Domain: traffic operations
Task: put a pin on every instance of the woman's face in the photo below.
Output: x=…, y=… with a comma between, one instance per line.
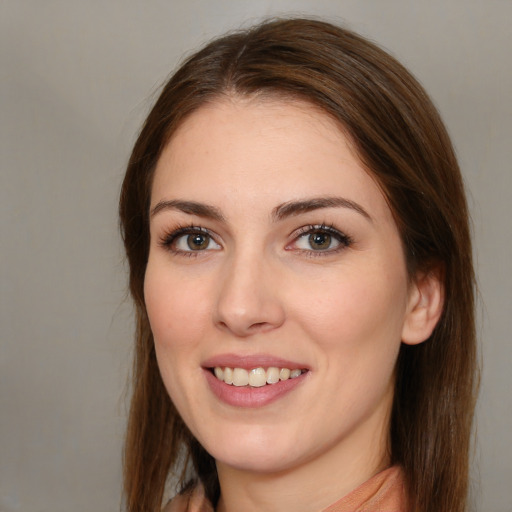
x=272, y=248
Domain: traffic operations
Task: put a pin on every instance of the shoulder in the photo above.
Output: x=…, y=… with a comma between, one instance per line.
x=383, y=492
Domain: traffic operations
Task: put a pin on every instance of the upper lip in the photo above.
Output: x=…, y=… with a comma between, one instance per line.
x=251, y=361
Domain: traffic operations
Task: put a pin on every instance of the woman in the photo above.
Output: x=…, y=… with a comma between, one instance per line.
x=300, y=260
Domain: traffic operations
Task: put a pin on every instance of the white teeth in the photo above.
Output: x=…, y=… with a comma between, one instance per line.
x=228, y=375
x=256, y=377
x=284, y=374
x=272, y=375
x=240, y=377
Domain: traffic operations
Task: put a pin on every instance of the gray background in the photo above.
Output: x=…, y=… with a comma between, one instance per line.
x=77, y=78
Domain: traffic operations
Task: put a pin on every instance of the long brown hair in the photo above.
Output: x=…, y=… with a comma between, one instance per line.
x=402, y=142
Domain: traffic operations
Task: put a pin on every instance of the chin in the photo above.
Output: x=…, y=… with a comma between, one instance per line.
x=253, y=452
x=258, y=462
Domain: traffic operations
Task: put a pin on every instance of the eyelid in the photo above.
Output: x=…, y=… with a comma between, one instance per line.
x=343, y=239
x=169, y=237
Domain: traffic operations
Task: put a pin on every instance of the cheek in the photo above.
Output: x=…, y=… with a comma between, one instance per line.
x=176, y=319
x=178, y=325
x=356, y=315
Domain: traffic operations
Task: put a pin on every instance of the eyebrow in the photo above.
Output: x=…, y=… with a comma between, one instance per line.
x=190, y=207
x=292, y=208
x=283, y=211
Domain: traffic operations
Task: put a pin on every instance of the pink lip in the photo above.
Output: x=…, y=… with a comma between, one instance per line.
x=247, y=396
x=251, y=397
x=252, y=361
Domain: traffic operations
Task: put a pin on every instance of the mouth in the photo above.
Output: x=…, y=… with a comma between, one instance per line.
x=253, y=380
x=255, y=377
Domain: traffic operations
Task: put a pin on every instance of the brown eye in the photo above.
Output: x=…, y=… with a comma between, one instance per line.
x=320, y=241
x=198, y=241
x=190, y=240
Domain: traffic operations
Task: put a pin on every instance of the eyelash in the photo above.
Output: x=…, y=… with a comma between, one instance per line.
x=169, y=238
x=343, y=239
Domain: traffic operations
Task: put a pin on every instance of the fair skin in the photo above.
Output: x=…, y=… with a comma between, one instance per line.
x=272, y=246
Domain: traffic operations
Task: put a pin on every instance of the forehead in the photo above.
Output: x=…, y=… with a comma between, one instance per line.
x=242, y=149
x=262, y=119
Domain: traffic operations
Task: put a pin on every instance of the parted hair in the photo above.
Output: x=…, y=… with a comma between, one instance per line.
x=403, y=144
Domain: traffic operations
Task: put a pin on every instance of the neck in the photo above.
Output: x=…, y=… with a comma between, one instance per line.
x=313, y=484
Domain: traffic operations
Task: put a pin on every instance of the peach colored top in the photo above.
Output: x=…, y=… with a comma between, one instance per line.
x=385, y=492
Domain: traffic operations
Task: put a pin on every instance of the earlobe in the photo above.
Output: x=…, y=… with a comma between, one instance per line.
x=425, y=306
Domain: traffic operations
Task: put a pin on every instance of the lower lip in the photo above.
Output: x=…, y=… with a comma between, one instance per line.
x=246, y=396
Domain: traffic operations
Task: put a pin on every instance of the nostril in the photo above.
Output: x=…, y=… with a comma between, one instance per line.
x=245, y=328
x=261, y=326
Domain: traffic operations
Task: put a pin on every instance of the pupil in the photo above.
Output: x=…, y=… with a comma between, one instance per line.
x=197, y=241
x=320, y=240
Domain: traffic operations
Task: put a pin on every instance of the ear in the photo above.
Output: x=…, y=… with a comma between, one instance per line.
x=425, y=305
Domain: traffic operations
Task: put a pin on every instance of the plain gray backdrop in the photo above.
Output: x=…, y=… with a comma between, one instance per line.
x=77, y=78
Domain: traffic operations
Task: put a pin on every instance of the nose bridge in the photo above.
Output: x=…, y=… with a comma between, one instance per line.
x=248, y=299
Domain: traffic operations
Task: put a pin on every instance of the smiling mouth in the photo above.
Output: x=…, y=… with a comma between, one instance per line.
x=256, y=377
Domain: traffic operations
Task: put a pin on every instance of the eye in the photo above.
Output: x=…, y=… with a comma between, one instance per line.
x=194, y=242
x=320, y=239
x=190, y=240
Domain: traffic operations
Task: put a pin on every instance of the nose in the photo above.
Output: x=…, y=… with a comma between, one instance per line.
x=249, y=297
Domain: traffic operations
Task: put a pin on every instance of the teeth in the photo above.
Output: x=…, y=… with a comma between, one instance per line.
x=257, y=377
x=284, y=374
x=272, y=375
x=240, y=377
x=228, y=375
